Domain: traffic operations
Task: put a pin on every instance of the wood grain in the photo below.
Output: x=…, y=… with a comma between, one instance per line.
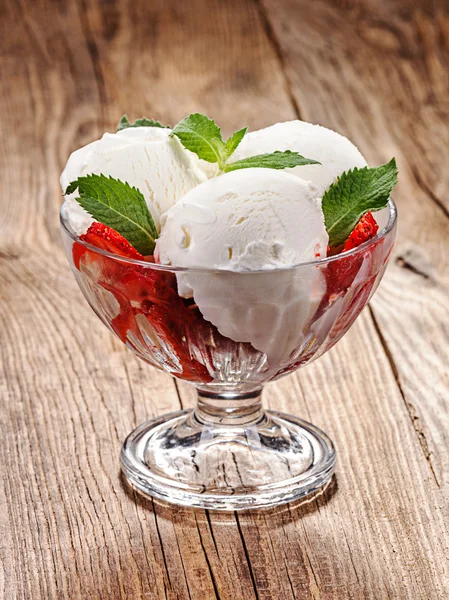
x=375, y=71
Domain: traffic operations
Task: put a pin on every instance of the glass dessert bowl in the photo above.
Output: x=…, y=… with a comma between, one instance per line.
x=229, y=453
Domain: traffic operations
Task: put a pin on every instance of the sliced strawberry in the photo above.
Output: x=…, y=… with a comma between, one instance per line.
x=125, y=321
x=148, y=286
x=171, y=328
x=103, y=237
x=97, y=266
x=365, y=229
x=142, y=291
x=341, y=273
x=357, y=302
x=78, y=250
x=106, y=238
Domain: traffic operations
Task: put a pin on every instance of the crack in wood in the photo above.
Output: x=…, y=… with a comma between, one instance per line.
x=351, y=558
x=164, y=558
x=314, y=590
x=178, y=393
x=9, y=255
x=274, y=42
x=234, y=460
x=131, y=393
x=248, y=560
x=414, y=418
x=183, y=567
x=290, y=581
x=147, y=559
x=428, y=191
x=92, y=48
x=211, y=531
x=404, y=262
x=209, y=566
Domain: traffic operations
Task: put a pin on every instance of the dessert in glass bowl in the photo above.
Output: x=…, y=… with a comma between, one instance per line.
x=228, y=264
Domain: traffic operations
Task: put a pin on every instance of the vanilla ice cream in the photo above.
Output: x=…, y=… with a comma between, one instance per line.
x=335, y=152
x=240, y=222
x=146, y=158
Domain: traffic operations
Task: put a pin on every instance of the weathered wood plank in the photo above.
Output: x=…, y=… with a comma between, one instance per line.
x=73, y=392
x=376, y=71
x=398, y=77
x=70, y=529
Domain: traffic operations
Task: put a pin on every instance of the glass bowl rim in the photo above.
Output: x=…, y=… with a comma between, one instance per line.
x=381, y=234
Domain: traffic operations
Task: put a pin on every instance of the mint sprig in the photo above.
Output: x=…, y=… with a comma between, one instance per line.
x=232, y=143
x=119, y=206
x=275, y=160
x=354, y=193
x=201, y=135
x=143, y=122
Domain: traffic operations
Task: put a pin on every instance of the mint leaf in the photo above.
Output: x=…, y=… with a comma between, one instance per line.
x=235, y=139
x=275, y=160
x=354, y=193
x=119, y=206
x=201, y=135
x=125, y=124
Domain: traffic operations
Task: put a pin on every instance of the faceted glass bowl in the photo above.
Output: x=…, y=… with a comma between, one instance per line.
x=229, y=453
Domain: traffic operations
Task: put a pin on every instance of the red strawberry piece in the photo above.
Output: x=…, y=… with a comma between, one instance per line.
x=150, y=286
x=77, y=252
x=356, y=304
x=106, y=238
x=103, y=237
x=365, y=229
x=170, y=327
x=341, y=273
x=100, y=267
x=125, y=321
x=141, y=291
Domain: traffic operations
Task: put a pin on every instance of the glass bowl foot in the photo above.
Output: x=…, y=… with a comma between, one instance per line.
x=181, y=459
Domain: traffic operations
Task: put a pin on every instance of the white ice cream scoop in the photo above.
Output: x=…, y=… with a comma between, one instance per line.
x=335, y=152
x=241, y=222
x=147, y=158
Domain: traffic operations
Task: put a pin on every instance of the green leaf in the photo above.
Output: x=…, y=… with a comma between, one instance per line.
x=119, y=206
x=201, y=135
x=352, y=195
x=125, y=124
x=235, y=139
x=275, y=160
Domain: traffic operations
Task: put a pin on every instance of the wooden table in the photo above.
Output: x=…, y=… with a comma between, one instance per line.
x=375, y=70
